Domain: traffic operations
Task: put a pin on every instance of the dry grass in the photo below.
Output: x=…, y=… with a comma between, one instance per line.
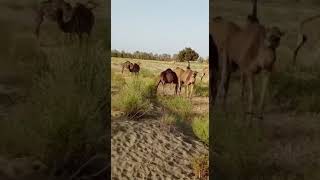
x=59, y=90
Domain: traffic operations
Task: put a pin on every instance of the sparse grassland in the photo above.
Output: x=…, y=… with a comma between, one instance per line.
x=137, y=96
x=285, y=143
x=58, y=110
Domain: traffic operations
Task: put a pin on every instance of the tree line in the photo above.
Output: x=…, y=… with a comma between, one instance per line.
x=187, y=54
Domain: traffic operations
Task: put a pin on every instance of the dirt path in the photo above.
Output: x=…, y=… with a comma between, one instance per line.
x=146, y=151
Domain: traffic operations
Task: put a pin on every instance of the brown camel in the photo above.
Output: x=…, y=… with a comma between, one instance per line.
x=125, y=65
x=134, y=68
x=168, y=77
x=188, y=79
x=257, y=53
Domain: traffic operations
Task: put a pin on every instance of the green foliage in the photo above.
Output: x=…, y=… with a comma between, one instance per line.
x=63, y=117
x=296, y=92
x=135, y=97
x=187, y=54
x=201, y=89
x=141, y=55
x=200, y=127
x=238, y=148
x=178, y=105
x=200, y=166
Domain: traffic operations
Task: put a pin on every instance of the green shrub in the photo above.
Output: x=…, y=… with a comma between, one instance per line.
x=238, y=148
x=201, y=89
x=135, y=97
x=146, y=73
x=300, y=94
x=178, y=105
x=200, y=166
x=200, y=127
x=63, y=118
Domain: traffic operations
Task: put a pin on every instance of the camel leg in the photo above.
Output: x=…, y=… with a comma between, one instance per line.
x=251, y=93
x=163, y=88
x=187, y=91
x=265, y=83
x=158, y=86
x=39, y=20
x=243, y=84
x=191, y=90
x=176, y=89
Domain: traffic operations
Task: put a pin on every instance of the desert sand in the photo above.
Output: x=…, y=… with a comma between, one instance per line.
x=145, y=150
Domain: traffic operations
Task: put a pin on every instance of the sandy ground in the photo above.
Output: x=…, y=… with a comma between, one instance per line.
x=144, y=150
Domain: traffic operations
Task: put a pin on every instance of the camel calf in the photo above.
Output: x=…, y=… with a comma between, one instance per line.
x=167, y=77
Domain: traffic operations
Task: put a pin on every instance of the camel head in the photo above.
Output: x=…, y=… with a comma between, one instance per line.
x=273, y=37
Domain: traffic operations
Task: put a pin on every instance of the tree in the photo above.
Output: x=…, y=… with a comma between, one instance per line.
x=187, y=54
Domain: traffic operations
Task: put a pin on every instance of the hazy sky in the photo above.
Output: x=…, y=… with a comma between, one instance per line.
x=160, y=26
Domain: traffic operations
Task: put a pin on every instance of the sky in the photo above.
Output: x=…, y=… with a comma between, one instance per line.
x=160, y=26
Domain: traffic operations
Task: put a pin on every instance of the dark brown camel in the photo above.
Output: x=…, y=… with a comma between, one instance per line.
x=168, y=77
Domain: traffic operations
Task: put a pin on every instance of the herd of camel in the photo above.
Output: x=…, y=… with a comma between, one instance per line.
x=72, y=20
x=251, y=49
x=178, y=77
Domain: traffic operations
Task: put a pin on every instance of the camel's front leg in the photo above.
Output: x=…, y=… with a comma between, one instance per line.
x=251, y=92
x=191, y=90
x=188, y=90
x=265, y=83
x=243, y=84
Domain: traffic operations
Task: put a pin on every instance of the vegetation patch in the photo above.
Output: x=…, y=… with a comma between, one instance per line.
x=200, y=167
x=201, y=89
x=200, y=127
x=134, y=99
x=178, y=105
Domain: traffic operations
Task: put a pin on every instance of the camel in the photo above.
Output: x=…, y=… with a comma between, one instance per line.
x=179, y=71
x=302, y=36
x=168, y=77
x=48, y=10
x=81, y=21
x=257, y=53
x=125, y=65
x=134, y=68
x=187, y=78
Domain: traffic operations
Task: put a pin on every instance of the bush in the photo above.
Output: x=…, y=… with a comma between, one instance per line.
x=63, y=119
x=201, y=166
x=201, y=89
x=238, y=148
x=297, y=93
x=200, y=127
x=178, y=105
x=135, y=98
